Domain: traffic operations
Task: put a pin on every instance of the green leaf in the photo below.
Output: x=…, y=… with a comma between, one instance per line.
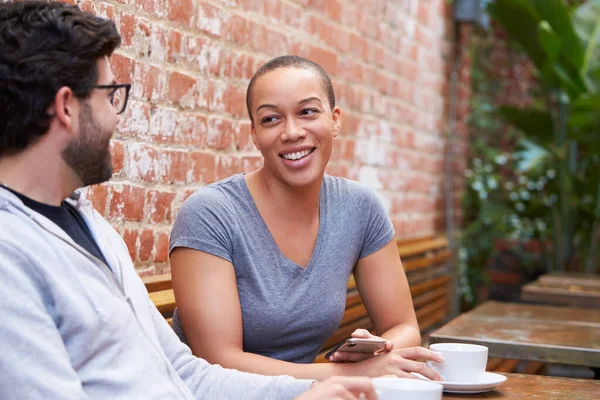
x=588, y=101
x=520, y=20
x=550, y=41
x=557, y=14
x=537, y=124
x=586, y=21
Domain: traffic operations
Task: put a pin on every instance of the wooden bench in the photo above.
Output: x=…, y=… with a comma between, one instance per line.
x=160, y=290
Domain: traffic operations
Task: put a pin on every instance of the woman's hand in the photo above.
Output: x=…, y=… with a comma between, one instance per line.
x=399, y=362
x=341, y=388
x=345, y=356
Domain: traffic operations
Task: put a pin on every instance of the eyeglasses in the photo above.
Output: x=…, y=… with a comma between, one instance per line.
x=119, y=95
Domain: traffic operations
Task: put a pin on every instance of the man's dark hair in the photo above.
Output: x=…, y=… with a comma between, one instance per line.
x=45, y=45
x=291, y=62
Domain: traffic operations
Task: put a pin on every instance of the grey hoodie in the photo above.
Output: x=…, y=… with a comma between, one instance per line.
x=71, y=329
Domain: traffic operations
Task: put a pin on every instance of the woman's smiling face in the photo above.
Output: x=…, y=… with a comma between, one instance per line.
x=294, y=124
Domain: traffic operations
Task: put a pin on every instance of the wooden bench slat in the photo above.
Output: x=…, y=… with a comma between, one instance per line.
x=422, y=246
x=158, y=282
x=352, y=299
x=426, y=261
x=164, y=300
x=433, y=318
x=426, y=298
x=420, y=288
x=353, y=313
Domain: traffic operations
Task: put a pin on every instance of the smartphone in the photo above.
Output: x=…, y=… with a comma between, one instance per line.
x=356, y=345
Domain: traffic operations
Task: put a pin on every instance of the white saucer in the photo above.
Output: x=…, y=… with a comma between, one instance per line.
x=488, y=381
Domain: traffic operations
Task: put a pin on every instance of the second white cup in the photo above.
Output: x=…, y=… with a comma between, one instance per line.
x=389, y=388
x=462, y=362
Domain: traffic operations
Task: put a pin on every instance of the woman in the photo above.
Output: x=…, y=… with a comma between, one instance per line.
x=261, y=261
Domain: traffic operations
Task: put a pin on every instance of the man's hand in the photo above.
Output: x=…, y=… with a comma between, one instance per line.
x=341, y=388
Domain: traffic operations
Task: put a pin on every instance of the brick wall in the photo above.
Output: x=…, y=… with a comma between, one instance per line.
x=186, y=125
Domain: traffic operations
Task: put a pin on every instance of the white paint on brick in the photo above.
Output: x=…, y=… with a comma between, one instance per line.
x=156, y=46
x=136, y=121
x=208, y=57
x=163, y=123
x=370, y=177
x=139, y=161
x=188, y=100
x=386, y=202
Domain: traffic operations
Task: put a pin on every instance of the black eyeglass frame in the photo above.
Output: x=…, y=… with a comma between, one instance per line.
x=127, y=87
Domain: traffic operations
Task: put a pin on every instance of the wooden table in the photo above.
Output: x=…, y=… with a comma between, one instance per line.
x=561, y=335
x=567, y=289
x=519, y=386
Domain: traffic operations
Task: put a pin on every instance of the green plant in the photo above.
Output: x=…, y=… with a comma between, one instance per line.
x=506, y=202
x=562, y=41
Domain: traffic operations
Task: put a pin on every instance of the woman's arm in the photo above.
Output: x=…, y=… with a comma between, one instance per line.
x=209, y=308
x=384, y=290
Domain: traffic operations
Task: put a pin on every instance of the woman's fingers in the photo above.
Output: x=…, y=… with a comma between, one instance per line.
x=420, y=353
x=362, y=334
x=421, y=368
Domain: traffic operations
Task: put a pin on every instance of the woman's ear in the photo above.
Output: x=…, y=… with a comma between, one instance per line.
x=254, y=139
x=337, y=120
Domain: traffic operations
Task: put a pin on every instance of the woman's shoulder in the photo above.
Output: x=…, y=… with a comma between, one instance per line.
x=215, y=196
x=347, y=189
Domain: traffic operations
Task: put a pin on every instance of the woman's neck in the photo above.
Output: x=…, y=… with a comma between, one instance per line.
x=297, y=203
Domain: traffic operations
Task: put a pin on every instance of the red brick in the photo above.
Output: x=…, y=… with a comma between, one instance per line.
x=243, y=136
x=121, y=67
x=98, y=195
x=182, y=89
x=148, y=82
x=209, y=19
x=181, y=11
x=117, y=152
x=251, y=163
x=234, y=99
x=161, y=247
x=154, y=7
x=174, y=46
x=219, y=133
x=202, y=168
x=126, y=202
x=158, y=206
x=130, y=237
x=173, y=166
x=146, y=243
x=227, y=166
x=126, y=28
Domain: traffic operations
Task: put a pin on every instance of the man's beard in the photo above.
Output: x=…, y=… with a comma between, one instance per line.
x=89, y=154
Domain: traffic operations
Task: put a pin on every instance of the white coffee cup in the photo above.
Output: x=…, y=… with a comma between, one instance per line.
x=406, y=389
x=463, y=362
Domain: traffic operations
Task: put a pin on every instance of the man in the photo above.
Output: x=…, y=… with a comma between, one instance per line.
x=76, y=319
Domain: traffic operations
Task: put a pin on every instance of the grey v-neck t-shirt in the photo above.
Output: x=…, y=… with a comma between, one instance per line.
x=288, y=311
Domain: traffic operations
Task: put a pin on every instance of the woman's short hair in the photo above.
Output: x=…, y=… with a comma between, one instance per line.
x=291, y=62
